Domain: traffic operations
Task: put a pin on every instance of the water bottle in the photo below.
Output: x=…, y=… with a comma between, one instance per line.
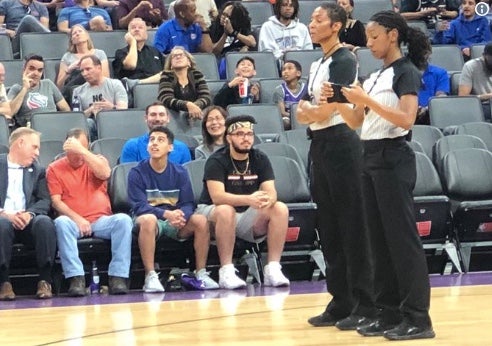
x=75, y=104
x=94, y=287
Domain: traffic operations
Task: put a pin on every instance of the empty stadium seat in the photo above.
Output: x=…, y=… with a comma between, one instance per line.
x=416, y=146
x=50, y=45
x=454, y=110
x=4, y=131
x=364, y=9
x=477, y=50
x=144, y=95
x=427, y=136
x=467, y=174
x=259, y=11
x=13, y=72
x=5, y=48
x=206, y=63
x=267, y=88
x=449, y=57
x=284, y=150
x=298, y=139
x=432, y=211
x=367, y=63
x=49, y=151
x=306, y=9
x=455, y=82
x=55, y=125
x=180, y=123
x=109, y=41
x=304, y=57
x=110, y=148
x=121, y=123
x=481, y=130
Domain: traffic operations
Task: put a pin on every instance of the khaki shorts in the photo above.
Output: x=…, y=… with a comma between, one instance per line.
x=245, y=222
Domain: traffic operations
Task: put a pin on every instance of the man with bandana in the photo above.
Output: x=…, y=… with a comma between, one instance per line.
x=240, y=200
x=35, y=93
x=476, y=79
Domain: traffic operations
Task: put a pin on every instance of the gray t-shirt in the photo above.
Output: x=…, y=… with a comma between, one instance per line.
x=69, y=58
x=43, y=97
x=476, y=75
x=111, y=90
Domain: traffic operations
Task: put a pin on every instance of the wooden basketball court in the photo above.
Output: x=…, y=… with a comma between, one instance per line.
x=462, y=315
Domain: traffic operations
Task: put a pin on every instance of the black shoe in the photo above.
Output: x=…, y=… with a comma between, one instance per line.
x=77, y=286
x=375, y=328
x=323, y=320
x=117, y=285
x=406, y=331
x=352, y=322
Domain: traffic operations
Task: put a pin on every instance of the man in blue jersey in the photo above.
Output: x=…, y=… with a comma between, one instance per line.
x=135, y=149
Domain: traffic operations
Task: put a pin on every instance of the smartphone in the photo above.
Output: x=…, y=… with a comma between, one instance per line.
x=337, y=93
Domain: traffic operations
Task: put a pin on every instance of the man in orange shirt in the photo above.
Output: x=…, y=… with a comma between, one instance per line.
x=78, y=189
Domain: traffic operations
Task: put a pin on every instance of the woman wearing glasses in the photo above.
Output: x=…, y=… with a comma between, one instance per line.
x=213, y=129
x=182, y=87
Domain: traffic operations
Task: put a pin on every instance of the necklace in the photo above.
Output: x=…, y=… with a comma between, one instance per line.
x=328, y=54
x=236, y=170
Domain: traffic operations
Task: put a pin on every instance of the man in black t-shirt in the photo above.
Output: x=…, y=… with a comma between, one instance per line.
x=239, y=199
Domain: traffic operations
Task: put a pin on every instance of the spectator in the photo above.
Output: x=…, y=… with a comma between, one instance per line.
x=78, y=188
x=290, y=92
x=435, y=82
x=205, y=8
x=163, y=203
x=25, y=203
x=79, y=45
x=231, y=32
x=98, y=92
x=83, y=13
x=135, y=149
x=137, y=60
x=213, y=129
x=239, y=193
x=283, y=31
x=354, y=34
x=229, y=93
x=466, y=30
x=428, y=11
x=151, y=11
x=34, y=93
x=23, y=16
x=185, y=30
x=4, y=101
x=182, y=87
x=476, y=79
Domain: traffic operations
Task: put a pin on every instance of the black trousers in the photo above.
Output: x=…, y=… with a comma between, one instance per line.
x=39, y=233
x=336, y=155
x=401, y=277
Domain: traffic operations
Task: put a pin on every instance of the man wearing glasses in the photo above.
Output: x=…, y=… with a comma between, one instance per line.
x=23, y=16
x=240, y=200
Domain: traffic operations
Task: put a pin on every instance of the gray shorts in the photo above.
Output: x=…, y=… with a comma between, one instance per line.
x=245, y=222
x=163, y=228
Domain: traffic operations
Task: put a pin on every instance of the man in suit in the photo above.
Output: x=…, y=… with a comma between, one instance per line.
x=24, y=205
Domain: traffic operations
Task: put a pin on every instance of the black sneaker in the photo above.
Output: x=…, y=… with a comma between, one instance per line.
x=77, y=286
x=352, y=322
x=375, y=328
x=117, y=285
x=406, y=331
x=323, y=320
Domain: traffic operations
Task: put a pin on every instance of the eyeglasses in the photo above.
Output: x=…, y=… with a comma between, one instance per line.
x=243, y=134
x=177, y=55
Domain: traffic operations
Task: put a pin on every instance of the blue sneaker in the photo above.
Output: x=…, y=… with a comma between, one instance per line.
x=199, y=281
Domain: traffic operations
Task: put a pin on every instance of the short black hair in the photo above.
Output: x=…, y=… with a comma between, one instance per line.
x=30, y=57
x=246, y=58
x=169, y=133
x=295, y=63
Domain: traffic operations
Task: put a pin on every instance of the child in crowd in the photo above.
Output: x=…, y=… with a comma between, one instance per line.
x=290, y=92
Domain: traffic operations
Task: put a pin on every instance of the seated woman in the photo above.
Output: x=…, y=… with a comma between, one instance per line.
x=213, y=129
x=231, y=32
x=79, y=45
x=354, y=34
x=182, y=87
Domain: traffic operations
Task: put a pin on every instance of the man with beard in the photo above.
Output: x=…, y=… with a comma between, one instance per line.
x=186, y=29
x=4, y=101
x=239, y=200
x=34, y=93
x=135, y=149
x=476, y=79
x=283, y=31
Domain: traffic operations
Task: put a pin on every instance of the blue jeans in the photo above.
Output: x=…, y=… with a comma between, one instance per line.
x=117, y=228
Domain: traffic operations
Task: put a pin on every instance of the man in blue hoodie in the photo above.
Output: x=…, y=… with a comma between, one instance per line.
x=466, y=30
x=283, y=31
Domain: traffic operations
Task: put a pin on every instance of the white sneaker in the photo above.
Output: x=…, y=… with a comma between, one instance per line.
x=273, y=275
x=228, y=278
x=152, y=283
x=208, y=282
